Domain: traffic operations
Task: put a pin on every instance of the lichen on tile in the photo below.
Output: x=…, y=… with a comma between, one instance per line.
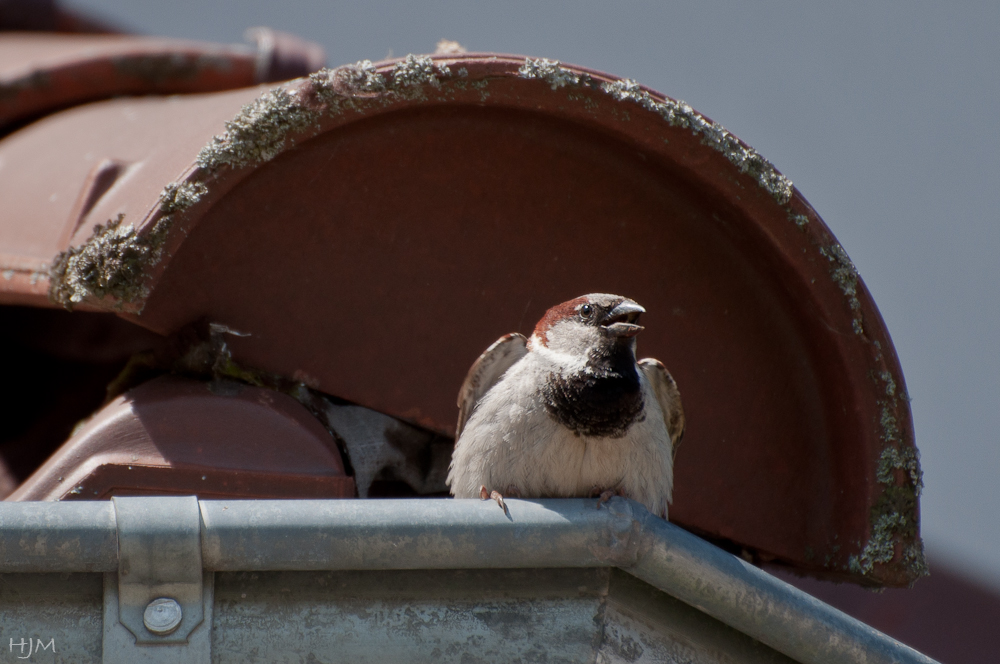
x=906, y=459
x=360, y=78
x=259, y=131
x=676, y=114
x=115, y=258
x=894, y=515
x=890, y=383
x=112, y=262
x=549, y=71
x=416, y=71
x=846, y=276
x=179, y=196
x=679, y=114
x=349, y=86
x=914, y=560
x=881, y=547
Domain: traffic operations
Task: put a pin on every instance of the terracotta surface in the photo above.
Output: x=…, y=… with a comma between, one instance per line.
x=57, y=366
x=207, y=482
x=222, y=439
x=398, y=233
x=48, y=16
x=44, y=72
x=45, y=183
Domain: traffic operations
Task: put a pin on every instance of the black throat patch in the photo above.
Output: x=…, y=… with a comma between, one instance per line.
x=605, y=400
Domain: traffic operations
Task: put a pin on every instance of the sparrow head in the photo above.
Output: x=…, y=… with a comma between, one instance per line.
x=587, y=323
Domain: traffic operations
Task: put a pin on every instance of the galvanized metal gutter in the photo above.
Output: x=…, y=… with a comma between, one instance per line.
x=300, y=535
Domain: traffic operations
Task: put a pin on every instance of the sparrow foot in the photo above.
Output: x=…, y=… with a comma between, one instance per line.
x=485, y=494
x=606, y=495
x=512, y=491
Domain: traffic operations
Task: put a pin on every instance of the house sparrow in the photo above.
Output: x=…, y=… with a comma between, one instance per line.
x=569, y=412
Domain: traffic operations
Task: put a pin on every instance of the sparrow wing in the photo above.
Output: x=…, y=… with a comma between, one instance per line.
x=668, y=396
x=486, y=371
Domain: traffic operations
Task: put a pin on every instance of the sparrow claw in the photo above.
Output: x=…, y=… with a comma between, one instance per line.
x=485, y=494
x=607, y=495
x=495, y=495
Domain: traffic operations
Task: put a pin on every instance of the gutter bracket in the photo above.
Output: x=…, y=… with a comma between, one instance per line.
x=161, y=596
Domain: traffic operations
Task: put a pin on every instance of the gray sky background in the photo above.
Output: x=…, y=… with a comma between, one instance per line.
x=886, y=116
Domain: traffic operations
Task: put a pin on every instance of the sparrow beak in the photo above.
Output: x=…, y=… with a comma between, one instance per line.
x=622, y=320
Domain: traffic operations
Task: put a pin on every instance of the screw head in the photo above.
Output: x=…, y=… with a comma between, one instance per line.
x=162, y=616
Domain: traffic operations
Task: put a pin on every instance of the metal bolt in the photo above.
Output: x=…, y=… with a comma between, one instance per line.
x=162, y=616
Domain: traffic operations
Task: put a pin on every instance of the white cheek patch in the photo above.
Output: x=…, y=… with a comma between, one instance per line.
x=566, y=362
x=573, y=337
x=568, y=347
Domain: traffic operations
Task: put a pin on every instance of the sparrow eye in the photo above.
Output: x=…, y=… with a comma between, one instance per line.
x=586, y=310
